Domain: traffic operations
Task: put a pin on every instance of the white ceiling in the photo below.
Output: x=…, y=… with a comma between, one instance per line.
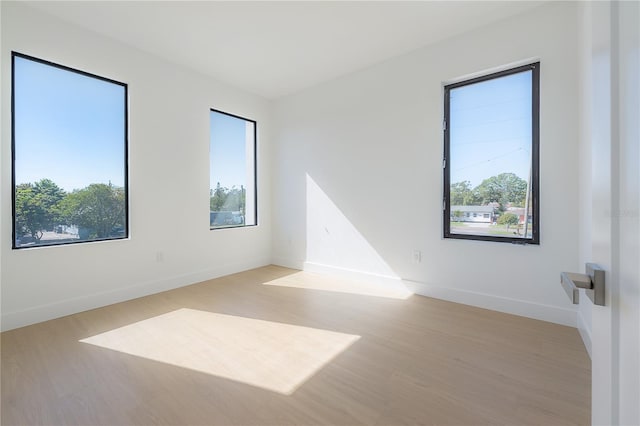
x=277, y=48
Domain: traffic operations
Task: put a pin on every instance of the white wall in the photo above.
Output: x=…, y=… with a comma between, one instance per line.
x=168, y=182
x=371, y=143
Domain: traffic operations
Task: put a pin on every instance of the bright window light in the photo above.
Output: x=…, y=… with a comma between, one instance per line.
x=232, y=181
x=491, y=164
x=311, y=281
x=69, y=145
x=269, y=355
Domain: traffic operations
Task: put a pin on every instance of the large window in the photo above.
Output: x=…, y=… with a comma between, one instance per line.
x=232, y=194
x=69, y=152
x=491, y=157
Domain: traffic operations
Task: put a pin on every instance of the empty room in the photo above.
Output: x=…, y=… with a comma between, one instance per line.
x=320, y=213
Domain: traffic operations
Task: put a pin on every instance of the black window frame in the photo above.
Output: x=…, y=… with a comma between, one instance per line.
x=535, y=156
x=14, y=246
x=255, y=170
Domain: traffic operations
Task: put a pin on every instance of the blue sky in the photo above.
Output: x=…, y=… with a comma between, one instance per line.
x=227, y=159
x=68, y=127
x=490, y=129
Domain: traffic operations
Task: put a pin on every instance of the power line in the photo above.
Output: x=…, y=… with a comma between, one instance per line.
x=488, y=160
x=484, y=142
x=486, y=122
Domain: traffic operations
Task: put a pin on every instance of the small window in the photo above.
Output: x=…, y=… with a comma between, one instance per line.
x=232, y=194
x=69, y=155
x=491, y=141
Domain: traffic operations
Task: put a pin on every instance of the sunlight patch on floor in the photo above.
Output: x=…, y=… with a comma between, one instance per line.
x=270, y=355
x=312, y=281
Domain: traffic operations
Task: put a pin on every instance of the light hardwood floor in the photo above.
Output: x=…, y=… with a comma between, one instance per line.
x=291, y=353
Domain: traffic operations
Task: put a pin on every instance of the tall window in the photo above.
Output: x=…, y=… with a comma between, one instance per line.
x=491, y=164
x=232, y=195
x=69, y=155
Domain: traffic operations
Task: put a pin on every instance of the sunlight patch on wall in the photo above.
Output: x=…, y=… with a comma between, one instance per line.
x=334, y=241
x=269, y=355
x=311, y=281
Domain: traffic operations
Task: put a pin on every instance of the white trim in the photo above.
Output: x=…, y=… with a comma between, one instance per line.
x=492, y=70
x=539, y=311
x=351, y=274
x=288, y=263
x=11, y=320
x=585, y=333
x=523, y=308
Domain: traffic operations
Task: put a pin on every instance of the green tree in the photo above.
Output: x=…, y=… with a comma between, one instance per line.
x=243, y=201
x=218, y=198
x=462, y=194
x=235, y=200
x=457, y=214
x=508, y=219
x=37, y=207
x=99, y=208
x=504, y=188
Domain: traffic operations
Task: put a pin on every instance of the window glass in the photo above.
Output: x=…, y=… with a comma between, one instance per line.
x=491, y=157
x=69, y=155
x=232, y=195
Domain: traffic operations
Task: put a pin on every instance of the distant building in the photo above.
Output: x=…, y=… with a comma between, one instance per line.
x=480, y=214
x=225, y=218
x=518, y=211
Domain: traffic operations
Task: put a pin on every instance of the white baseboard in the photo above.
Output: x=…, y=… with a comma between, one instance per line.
x=351, y=274
x=11, y=320
x=585, y=333
x=539, y=311
x=288, y=263
x=554, y=314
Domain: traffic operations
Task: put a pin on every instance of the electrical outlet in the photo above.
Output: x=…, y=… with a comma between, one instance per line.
x=417, y=256
x=159, y=256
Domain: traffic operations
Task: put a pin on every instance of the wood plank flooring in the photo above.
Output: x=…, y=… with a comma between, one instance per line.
x=413, y=361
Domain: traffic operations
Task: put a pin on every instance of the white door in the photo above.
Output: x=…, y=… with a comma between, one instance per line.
x=611, y=122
